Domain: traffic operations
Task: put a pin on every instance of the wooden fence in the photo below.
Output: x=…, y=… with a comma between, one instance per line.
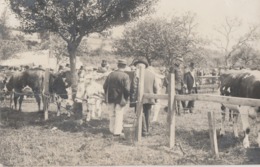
x=210, y=86
x=172, y=98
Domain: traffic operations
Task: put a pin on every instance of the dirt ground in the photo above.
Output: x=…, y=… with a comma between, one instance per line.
x=27, y=140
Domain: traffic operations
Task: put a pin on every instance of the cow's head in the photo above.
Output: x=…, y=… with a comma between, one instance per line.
x=58, y=83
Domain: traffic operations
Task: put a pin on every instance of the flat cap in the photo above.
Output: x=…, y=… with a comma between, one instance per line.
x=121, y=61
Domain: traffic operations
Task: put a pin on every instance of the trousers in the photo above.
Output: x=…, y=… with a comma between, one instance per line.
x=116, y=115
x=147, y=111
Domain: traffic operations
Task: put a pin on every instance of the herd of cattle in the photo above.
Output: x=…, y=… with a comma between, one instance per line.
x=239, y=83
x=16, y=82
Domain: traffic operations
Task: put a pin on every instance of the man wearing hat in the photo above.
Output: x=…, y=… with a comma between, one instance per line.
x=117, y=89
x=151, y=86
x=190, y=84
x=177, y=70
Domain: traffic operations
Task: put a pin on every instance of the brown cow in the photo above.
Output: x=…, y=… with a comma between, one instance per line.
x=245, y=84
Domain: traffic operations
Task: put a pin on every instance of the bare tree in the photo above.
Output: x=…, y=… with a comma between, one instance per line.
x=227, y=31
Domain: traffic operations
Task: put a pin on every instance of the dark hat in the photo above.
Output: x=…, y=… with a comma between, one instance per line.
x=140, y=60
x=192, y=64
x=104, y=62
x=121, y=61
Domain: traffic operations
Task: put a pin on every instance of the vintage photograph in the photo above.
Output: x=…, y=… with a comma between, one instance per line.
x=129, y=82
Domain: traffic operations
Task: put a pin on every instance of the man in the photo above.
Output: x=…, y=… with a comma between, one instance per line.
x=117, y=89
x=151, y=86
x=104, y=67
x=190, y=84
x=177, y=70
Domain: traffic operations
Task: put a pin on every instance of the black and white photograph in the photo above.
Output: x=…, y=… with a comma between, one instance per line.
x=129, y=82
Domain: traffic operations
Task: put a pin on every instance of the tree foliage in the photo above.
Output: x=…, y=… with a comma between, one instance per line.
x=74, y=19
x=160, y=39
x=245, y=56
x=9, y=44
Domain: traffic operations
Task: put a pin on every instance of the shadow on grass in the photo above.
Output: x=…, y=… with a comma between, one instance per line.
x=253, y=155
x=200, y=140
x=14, y=119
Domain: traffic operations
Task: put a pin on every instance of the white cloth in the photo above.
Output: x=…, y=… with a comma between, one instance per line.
x=193, y=75
x=116, y=115
x=156, y=109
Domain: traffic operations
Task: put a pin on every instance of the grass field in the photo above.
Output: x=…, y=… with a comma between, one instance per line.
x=27, y=140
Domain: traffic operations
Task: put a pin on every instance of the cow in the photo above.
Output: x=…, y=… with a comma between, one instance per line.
x=244, y=84
x=60, y=87
x=32, y=78
x=19, y=83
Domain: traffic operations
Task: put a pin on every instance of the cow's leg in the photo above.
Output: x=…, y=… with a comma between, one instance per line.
x=20, y=102
x=235, y=123
x=38, y=100
x=16, y=96
x=245, y=124
x=12, y=101
x=223, y=114
x=58, y=108
x=231, y=115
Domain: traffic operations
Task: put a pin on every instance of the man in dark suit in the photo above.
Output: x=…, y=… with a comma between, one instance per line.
x=117, y=89
x=177, y=70
x=190, y=84
x=151, y=86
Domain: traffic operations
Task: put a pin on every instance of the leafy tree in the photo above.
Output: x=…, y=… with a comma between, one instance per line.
x=4, y=30
x=245, y=56
x=74, y=19
x=159, y=39
x=8, y=44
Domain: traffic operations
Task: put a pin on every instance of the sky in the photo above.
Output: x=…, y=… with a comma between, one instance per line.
x=212, y=13
x=209, y=13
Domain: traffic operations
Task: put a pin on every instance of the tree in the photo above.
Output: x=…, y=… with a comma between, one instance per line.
x=9, y=44
x=245, y=56
x=74, y=19
x=159, y=39
x=227, y=32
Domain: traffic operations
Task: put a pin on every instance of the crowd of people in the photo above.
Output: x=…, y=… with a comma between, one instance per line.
x=120, y=89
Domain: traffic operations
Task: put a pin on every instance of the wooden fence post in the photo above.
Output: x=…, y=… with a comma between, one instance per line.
x=46, y=93
x=171, y=110
x=212, y=133
x=139, y=105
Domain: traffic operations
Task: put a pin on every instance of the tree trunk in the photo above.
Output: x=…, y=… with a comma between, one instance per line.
x=72, y=55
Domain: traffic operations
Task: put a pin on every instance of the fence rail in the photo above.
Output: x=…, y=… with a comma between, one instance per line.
x=172, y=98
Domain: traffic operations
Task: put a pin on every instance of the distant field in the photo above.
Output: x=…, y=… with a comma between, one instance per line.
x=27, y=140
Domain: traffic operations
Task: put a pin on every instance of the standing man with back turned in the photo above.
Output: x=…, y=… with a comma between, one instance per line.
x=117, y=89
x=190, y=84
x=150, y=86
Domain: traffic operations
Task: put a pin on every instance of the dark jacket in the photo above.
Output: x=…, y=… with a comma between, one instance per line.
x=150, y=86
x=117, y=87
x=189, y=81
x=178, y=79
